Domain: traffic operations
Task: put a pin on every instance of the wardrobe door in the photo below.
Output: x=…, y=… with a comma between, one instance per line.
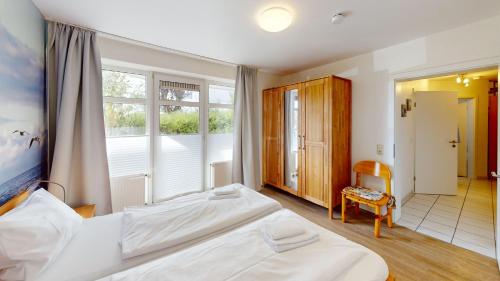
x=272, y=131
x=315, y=117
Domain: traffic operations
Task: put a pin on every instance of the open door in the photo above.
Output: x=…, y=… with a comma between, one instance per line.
x=436, y=128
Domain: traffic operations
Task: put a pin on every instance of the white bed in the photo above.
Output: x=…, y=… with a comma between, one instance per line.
x=242, y=254
x=95, y=251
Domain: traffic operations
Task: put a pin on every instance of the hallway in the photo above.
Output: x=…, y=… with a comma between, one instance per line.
x=466, y=220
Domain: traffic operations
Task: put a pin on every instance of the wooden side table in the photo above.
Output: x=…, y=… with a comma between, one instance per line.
x=86, y=211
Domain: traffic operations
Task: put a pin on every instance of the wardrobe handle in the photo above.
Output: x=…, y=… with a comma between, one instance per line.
x=303, y=142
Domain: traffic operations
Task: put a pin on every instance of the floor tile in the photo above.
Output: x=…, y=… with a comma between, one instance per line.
x=473, y=238
x=420, y=201
x=415, y=205
x=452, y=222
x=408, y=224
x=434, y=234
x=490, y=252
x=482, y=232
x=489, y=226
x=444, y=213
x=440, y=206
x=476, y=216
x=412, y=218
x=441, y=228
x=466, y=220
x=414, y=212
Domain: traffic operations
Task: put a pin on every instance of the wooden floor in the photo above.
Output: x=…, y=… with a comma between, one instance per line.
x=410, y=255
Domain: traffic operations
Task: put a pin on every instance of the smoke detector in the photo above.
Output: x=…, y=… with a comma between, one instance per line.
x=338, y=18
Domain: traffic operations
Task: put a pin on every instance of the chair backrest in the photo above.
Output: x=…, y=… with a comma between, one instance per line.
x=376, y=169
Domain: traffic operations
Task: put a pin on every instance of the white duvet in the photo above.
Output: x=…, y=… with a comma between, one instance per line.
x=148, y=229
x=243, y=255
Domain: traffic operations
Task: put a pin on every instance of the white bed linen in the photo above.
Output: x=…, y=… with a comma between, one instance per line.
x=243, y=255
x=95, y=252
x=145, y=230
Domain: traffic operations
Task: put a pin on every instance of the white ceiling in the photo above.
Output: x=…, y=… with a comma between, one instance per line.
x=227, y=29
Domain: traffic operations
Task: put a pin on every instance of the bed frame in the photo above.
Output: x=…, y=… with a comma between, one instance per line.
x=14, y=201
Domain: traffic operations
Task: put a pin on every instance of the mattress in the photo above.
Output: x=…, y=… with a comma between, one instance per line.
x=160, y=226
x=95, y=251
x=242, y=255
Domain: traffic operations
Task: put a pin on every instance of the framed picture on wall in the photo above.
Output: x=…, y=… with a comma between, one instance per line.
x=408, y=104
x=403, y=110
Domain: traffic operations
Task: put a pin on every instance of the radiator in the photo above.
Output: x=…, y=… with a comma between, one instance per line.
x=220, y=173
x=127, y=191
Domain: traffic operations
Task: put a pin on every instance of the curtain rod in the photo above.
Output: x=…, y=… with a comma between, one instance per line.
x=145, y=44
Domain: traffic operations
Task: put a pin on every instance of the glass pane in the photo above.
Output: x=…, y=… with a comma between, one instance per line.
x=291, y=138
x=179, y=95
x=220, y=94
x=179, y=120
x=220, y=120
x=124, y=119
x=127, y=156
x=124, y=85
x=178, y=166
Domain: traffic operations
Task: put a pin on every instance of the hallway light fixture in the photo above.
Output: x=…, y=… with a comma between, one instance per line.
x=460, y=79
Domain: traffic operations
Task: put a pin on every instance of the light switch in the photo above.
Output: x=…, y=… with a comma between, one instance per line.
x=380, y=149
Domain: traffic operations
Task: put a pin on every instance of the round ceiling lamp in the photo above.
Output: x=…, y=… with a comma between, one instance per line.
x=275, y=19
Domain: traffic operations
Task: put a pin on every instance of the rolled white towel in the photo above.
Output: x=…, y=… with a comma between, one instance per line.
x=225, y=190
x=290, y=243
x=284, y=228
x=213, y=196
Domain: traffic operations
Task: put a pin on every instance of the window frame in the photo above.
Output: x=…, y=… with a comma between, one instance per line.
x=142, y=101
x=217, y=105
x=161, y=102
x=152, y=104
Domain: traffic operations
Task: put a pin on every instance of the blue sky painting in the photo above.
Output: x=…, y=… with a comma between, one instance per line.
x=23, y=132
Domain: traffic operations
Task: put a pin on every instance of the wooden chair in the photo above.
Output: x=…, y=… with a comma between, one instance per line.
x=376, y=169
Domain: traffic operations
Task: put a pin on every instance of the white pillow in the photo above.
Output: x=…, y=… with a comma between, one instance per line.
x=33, y=234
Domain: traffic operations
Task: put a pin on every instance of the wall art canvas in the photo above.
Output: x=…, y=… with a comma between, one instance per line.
x=23, y=134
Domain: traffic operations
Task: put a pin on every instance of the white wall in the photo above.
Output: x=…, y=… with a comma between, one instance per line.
x=373, y=74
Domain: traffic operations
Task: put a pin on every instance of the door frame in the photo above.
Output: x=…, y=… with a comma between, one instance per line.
x=403, y=76
x=394, y=78
x=202, y=130
x=471, y=135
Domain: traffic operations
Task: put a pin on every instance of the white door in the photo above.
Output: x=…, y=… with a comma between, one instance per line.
x=462, y=138
x=436, y=149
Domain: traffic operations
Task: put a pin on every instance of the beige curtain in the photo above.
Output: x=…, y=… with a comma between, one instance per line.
x=246, y=142
x=76, y=122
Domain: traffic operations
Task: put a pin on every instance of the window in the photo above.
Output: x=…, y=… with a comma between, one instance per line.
x=125, y=119
x=171, y=131
x=179, y=151
x=220, y=123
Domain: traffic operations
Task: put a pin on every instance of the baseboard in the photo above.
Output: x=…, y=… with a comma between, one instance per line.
x=407, y=198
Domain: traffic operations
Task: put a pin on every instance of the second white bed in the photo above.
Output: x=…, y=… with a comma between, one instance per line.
x=242, y=254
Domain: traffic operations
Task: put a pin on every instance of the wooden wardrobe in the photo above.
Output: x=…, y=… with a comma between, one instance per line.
x=307, y=139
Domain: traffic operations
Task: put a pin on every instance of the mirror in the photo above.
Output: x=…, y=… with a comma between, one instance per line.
x=291, y=138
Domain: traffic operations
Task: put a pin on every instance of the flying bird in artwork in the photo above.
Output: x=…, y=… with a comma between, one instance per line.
x=35, y=139
x=20, y=132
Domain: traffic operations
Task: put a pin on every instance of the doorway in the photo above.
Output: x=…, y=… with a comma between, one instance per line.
x=443, y=133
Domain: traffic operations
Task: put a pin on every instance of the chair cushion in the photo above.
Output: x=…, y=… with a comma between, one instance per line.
x=363, y=192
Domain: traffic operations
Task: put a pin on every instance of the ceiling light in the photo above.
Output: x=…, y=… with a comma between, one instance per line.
x=466, y=81
x=459, y=79
x=466, y=84
x=476, y=77
x=338, y=18
x=275, y=19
